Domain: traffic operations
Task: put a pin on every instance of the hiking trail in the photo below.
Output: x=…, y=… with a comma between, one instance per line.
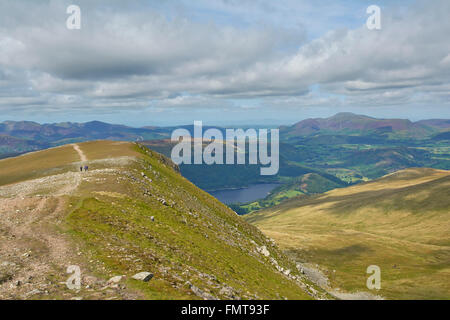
x=80, y=152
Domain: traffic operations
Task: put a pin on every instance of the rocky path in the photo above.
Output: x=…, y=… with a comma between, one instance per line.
x=315, y=275
x=34, y=253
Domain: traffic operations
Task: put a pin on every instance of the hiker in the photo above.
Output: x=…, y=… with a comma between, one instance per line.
x=86, y=168
x=81, y=169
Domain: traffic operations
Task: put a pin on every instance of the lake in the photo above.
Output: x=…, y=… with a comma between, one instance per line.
x=252, y=193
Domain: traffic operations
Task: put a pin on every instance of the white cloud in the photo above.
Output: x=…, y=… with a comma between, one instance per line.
x=132, y=57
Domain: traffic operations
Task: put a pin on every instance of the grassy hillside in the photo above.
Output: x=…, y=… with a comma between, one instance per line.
x=216, y=177
x=131, y=212
x=400, y=222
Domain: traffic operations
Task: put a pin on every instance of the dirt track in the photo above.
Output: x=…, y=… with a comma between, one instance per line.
x=80, y=153
x=34, y=254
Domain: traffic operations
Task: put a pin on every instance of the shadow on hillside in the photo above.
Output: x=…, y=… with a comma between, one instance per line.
x=347, y=252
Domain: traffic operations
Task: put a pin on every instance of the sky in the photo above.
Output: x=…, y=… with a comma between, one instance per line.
x=223, y=62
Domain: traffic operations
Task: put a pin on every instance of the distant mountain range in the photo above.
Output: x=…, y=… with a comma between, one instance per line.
x=22, y=136
x=76, y=131
x=353, y=124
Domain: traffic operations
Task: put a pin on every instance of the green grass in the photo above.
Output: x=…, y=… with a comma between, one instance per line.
x=38, y=164
x=192, y=235
x=107, y=220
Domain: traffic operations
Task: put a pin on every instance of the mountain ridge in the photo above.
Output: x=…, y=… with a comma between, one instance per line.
x=130, y=212
x=350, y=123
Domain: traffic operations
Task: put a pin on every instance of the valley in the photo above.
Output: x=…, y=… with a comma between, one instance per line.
x=350, y=193
x=399, y=222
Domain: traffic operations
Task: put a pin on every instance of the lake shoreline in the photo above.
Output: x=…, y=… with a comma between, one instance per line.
x=249, y=194
x=240, y=188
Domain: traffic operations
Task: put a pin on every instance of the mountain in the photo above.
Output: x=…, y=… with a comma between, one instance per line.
x=10, y=146
x=352, y=124
x=442, y=136
x=374, y=163
x=399, y=222
x=443, y=124
x=131, y=212
x=340, y=127
x=351, y=147
x=68, y=132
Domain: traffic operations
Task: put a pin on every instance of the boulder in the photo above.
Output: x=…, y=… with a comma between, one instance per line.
x=143, y=276
x=263, y=250
x=115, y=279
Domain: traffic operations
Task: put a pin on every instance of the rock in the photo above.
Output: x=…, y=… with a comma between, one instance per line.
x=91, y=280
x=143, y=276
x=7, y=264
x=200, y=293
x=33, y=292
x=313, y=291
x=15, y=284
x=263, y=250
x=229, y=293
x=287, y=272
x=226, y=291
x=115, y=279
x=163, y=201
x=5, y=277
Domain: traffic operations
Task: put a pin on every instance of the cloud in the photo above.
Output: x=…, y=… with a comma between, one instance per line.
x=170, y=55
